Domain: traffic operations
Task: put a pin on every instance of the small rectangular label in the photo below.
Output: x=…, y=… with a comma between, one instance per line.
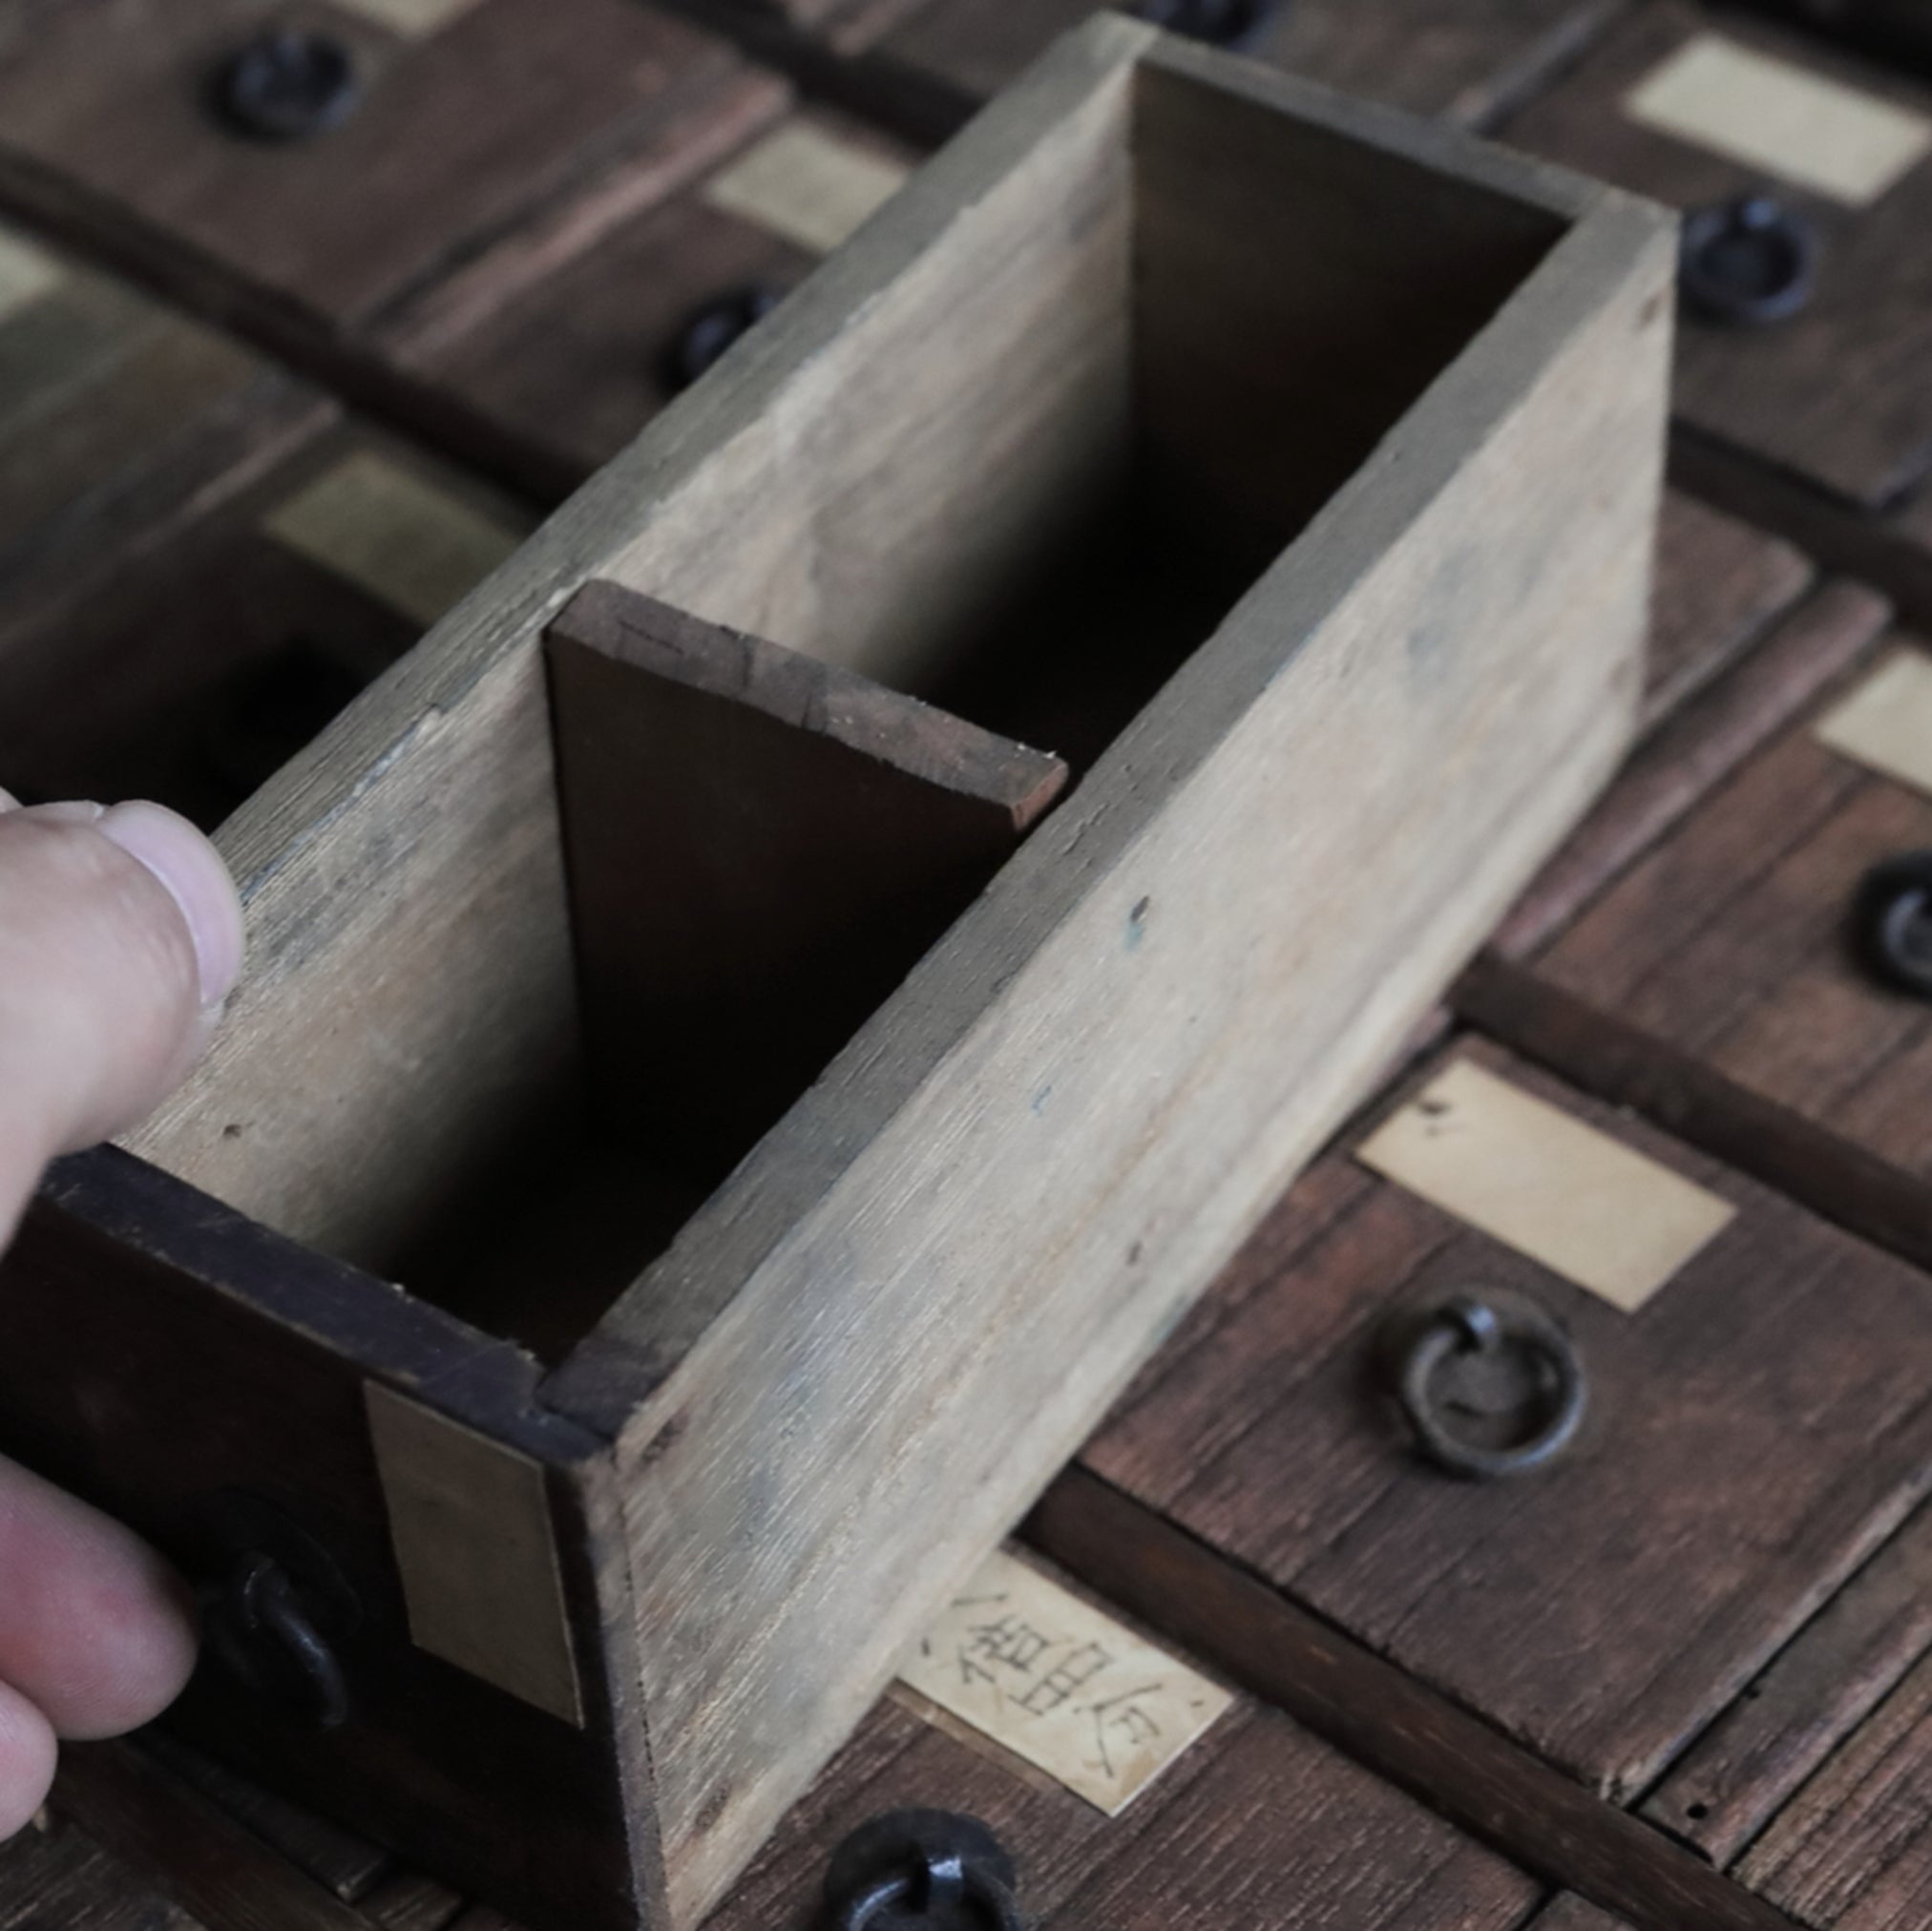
x=805, y=185
x=1887, y=723
x=1058, y=1683
x=1584, y=1205
x=412, y=19
x=1771, y=114
x=27, y=272
x=469, y=1523
x=415, y=547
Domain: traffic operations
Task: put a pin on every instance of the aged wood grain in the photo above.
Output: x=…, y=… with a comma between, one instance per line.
x=1720, y=1795
x=1837, y=392
x=1606, y=1610
x=1382, y=1717
x=1725, y=948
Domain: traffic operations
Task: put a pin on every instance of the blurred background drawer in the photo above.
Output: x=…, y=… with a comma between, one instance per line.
x=1806, y=318
x=320, y=163
x=122, y=423
x=193, y=674
x=566, y=374
x=1462, y=59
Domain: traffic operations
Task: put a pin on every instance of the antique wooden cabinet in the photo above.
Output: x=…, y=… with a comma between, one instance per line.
x=704, y=1133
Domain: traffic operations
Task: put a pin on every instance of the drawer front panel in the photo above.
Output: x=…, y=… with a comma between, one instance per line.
x=1835, y=391
x=1604, y=1609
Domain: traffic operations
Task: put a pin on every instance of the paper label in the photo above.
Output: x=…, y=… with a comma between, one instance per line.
x=412, y=19
x=413, y=546
x=27, y=272
x=1887, y=723
x=1775, y=115
x=805, y=185
x=1586, y=1207
x=1061, y=1683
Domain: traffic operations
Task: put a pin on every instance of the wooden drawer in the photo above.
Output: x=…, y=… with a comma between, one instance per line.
x=1819, y=418
x=391, y=139
x=1602, y=1609
x=1462, y=59
x=831, y=1247
x=1730, y=971
x=193, y=675
x=567, y=374
x=121, y=422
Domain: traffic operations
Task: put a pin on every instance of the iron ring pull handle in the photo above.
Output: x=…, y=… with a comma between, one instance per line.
x=921, y=1867
x=1893, y=919
x=267, y=1639
x=941, y=1885
x=1467, y=1323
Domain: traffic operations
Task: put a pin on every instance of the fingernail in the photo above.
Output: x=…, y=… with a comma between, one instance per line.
x=196, y=879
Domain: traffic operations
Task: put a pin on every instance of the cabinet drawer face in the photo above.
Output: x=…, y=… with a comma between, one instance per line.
x=1604, y=1607
x=1462, y=59
x=1699, y=116
x=120, y=420
x=331, y=157
x=194, y=676
x=1258, y=1823
x=1741, y=949
x=575, y=369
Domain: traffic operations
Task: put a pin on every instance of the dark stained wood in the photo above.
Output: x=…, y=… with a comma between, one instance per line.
x=338, y=1860
x=410, y=1901
x=56, y=1877
x=1854, y=1851
x=1462, y=59
x=1722, y=955
x=1380, y=1716
x=760, y=847
x=1693, y=751
x=157, y=1350
x=1604, y=1612
x=1743, y=1769
x=460, y=134
x=192, y=671
x=201, y=1858
x=1837, y=393
x=1574, y=1914
x=572, y=368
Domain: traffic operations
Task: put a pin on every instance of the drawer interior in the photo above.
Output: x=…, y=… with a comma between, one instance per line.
x=1023, y=482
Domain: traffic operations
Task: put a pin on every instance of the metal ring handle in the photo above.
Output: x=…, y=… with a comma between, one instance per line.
x=261, y=1631
x=1894, y=919
x=1467, y=1323
x=1749, y=262
x=936, y=1886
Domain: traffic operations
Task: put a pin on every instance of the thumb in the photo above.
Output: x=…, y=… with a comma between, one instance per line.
x=120, y=936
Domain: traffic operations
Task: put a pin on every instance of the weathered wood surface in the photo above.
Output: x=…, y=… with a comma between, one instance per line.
x=1835, y=393
x=1606, y=1610
x=502, y=108
x=1465, y=59
x=1381, y=1716
x=1720, y=961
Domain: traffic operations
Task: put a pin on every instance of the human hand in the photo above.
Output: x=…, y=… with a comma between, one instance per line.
x=120, y=936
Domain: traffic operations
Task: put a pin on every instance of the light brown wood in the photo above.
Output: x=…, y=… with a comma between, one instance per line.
x=1335, y=677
